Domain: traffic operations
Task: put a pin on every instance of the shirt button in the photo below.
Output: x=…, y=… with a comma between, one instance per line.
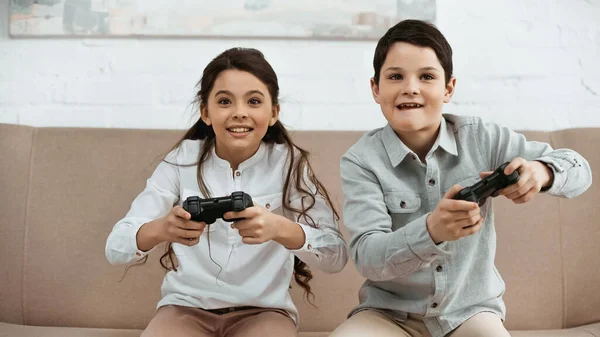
x=238, y=173
x=402, y=204
x=439, y=269
x=267, y=206
x=434, y=305
x=431, y=182
x=309, y=246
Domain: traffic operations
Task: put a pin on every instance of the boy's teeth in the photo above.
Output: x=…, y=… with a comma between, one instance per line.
x=402, y=106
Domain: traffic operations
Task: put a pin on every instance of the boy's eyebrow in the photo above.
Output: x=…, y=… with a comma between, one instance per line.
x=402, y=69
x=227, y=92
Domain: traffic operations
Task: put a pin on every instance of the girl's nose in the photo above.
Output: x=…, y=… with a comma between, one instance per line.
x=240, y=114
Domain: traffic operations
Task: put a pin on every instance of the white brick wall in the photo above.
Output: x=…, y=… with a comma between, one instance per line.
x=528, y=64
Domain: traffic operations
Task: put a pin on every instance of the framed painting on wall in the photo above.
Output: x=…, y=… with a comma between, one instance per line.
x=306, y=19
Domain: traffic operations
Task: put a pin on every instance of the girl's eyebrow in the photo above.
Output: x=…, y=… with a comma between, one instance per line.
x=227, y=92
x=400, y=69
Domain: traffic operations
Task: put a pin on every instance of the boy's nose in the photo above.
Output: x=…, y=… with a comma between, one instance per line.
x=411, y=88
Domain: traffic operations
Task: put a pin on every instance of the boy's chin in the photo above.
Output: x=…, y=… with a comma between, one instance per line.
x=414, y=123
x=406, y=124
x=406, y=127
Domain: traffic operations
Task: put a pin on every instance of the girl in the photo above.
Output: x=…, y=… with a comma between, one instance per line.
x=232, y=278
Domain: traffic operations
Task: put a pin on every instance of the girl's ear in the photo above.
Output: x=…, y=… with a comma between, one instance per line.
x=450, y=89
x=275, y=115
x=375, y=90
x=204, y=114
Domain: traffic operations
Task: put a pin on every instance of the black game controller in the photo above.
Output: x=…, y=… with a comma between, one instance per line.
x=210, y=209
x=488, y=186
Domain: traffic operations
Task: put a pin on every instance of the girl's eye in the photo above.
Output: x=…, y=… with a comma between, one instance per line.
x=254, y=101
x=396, y=77
x=428, y=77
x=224, y=101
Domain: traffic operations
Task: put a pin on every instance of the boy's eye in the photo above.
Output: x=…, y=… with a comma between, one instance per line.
x=254, y=101
x=395, y=77
x=428, y=77
x=224, y=101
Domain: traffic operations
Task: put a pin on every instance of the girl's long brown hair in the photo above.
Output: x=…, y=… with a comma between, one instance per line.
x=299, y=169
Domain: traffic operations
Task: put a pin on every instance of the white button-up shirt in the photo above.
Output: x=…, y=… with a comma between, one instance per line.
x=241, y=274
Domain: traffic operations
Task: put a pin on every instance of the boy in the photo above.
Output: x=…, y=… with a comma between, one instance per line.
x=429, y=259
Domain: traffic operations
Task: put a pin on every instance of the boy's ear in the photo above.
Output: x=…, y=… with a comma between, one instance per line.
x=375, y=90
x=275, y=115
x=450, y=89
x=204, y=115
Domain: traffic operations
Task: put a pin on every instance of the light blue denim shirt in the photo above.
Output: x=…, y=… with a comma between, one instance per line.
x=388, y=194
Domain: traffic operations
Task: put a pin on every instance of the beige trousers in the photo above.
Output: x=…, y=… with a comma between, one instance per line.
x=179, y=321
x=374, y=323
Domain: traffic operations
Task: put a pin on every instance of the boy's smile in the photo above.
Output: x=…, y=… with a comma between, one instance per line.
x=411, y=92
x=409, y=106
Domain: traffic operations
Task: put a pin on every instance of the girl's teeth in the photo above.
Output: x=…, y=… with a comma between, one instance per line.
x=239, y=130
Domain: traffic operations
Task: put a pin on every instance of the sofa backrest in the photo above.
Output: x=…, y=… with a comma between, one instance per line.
x=63, y=189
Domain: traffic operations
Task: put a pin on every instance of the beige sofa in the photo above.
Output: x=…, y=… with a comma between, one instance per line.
x=62, y=190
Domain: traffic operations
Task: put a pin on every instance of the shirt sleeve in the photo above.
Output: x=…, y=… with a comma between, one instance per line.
x=381, y=254
x=324, y=247
x=155, y=201
x=572, y=173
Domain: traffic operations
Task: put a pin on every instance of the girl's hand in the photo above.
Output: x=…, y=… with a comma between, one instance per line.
x=177, y=227
x=260, y=225
x=257, y=226
x=533, y=176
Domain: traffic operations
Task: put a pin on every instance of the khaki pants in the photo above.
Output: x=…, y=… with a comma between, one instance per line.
x=179, y=321
x=374, y=323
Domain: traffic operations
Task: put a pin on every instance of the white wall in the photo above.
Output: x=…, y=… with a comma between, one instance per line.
x=528, y=64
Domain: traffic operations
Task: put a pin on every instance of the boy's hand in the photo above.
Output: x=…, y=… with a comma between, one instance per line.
x=533, y=176
x=453, y=219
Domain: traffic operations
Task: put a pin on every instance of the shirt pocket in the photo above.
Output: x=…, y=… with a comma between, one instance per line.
x=272, y=202
x=402, y=206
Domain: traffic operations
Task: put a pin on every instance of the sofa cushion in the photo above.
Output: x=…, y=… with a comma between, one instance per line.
x=592, y=330
x=15, y=330
x=82, y=182
x=580, y=231
x=15, y=149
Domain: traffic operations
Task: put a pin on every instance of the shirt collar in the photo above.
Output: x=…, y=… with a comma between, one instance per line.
x=446, y=138
x=256, y=157
x=397, y=150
